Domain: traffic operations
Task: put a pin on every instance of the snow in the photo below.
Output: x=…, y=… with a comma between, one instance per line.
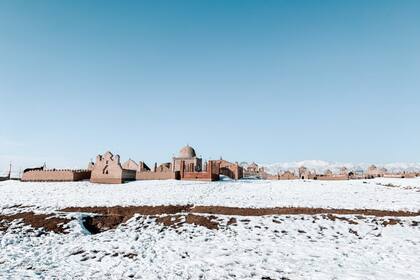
x=354, y=194
x=294, y=247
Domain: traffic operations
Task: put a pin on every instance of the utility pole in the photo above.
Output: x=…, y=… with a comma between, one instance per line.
x=10, y=170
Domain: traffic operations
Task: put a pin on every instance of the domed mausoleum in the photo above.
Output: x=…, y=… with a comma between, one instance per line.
x=189, y=157
x=187, y=152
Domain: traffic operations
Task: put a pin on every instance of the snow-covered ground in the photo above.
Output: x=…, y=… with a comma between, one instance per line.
x=291, y=248
x=404, y=194
x=278, y=247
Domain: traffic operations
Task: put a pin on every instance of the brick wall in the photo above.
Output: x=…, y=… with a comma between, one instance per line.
x=55, y=175
x=149, y=175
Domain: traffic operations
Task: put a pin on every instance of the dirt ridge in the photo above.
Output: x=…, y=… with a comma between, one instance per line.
x=106, y=218
x=234, y=211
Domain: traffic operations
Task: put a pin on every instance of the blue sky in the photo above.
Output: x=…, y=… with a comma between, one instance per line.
x=263, y=81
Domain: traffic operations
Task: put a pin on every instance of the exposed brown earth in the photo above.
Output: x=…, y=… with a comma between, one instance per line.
x=175, y=216
x=391, y=222
x=333, y=218
x=47, y=222
x=111, y=217
x=221, y=210
x=131, y=210
x=235, y=211
x=97, y=224
x=178, y=220
x=174, y=221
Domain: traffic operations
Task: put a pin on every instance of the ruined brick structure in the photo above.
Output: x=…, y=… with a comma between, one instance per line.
x=373, y=172
x=130, y=165
x=254, y=171
x=229, y=169
x=142, y=167
x=108, y=170
x=344, y=171
x=161, y=172
x=287, y=175
x=305, y=173
x=330, y=176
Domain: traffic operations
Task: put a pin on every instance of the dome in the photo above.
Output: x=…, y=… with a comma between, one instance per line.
x=187, y=152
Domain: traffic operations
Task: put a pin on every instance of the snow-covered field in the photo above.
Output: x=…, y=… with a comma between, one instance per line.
x=263, y=247
x=404, y=194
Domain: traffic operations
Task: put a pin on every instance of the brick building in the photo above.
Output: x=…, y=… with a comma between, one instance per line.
x=373, y=172
x=229, y=169
x=210, y=173
x=188, y=156
x=108, y=170
x=130, y=165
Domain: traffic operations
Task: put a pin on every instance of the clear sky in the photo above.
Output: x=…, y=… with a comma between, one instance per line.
x=263, y=81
